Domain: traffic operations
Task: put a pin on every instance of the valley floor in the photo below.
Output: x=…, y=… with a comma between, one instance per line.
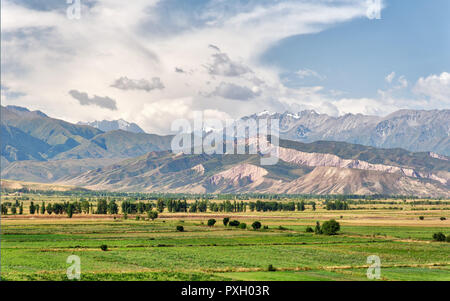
x=37, y=248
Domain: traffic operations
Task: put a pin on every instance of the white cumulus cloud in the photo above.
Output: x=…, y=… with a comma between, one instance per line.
x=435, y=87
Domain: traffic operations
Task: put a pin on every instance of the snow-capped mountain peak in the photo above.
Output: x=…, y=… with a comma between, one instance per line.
x=114, y=125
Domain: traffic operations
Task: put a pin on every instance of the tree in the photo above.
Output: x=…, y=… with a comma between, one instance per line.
x=317, y=229
x=70, y=210
x=211, y=222
x=226, y=220
x=13, y=209
x=439, y=236
x=243, y=226
x=112, y=207
x=43, y=208
x=49, y=209
x=141, y=207
x=102, y=207
x=85, y=206
x=314, y=206
x=180, y=228
x=21, y=209
x=4, y=209
x=256, y=225
x=301, y=206
x=32, y=208
x=152, y=215
x=160, y=205
x=331, y=227
x=309, y=230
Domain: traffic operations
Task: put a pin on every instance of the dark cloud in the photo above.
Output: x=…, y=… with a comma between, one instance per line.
x=179, y=70
x=214, y=47
x=8, y=94
x=236, y=92
x=124, y=83
x=103, y=102
x=223, y=65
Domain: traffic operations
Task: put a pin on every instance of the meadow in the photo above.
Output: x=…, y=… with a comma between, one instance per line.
x=36, y=247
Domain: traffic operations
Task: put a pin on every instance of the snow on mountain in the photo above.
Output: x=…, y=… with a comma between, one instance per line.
x=108, y=126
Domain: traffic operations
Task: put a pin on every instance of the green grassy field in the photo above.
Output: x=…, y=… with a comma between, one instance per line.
x=37, y=249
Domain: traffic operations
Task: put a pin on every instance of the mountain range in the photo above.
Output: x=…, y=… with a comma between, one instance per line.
x=32, y=135
x=317, y=168
x=416, y=131
x=38, y=148
x=114, y=125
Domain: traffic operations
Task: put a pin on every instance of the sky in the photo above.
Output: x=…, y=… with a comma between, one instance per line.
x=156, y=61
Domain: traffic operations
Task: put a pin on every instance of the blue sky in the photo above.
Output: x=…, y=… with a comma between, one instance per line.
x=411, y=39
x=154, y=61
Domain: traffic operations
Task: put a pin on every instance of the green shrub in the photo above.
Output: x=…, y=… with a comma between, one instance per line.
x=226, y=220
x=152, y=215
x=243, y=226
x=443, y=218
x=180, y=228
x=309, y=230
x=331, y=227
x=439, y=236
x=104, y=248
x=211, y=222
x=256, y=225
x=271, y=268
x=266, y=227
x=234, y=223
x=317, y=229
x=421, y=218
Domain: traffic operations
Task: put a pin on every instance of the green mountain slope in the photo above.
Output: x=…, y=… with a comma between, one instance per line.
x=17, y=145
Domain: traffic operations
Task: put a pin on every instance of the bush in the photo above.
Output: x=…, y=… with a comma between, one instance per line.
x=104, y=248
x=256, y=225
x=266, y=227
x=439, y=236
x=138, y=217
x=152, y=215
x=317, y=229
x=447, y=239
x=234, y=223
x=243, y=226
x=331, y=227
x=282, y=228
x=226, y=220
x=421, y=218
x=443, y=218
x=180, y=228
x=309, y=230
x=211, y=222
x=271, y=268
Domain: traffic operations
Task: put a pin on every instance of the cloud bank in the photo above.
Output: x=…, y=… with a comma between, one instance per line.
x=124, y=83
x=102, y=102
